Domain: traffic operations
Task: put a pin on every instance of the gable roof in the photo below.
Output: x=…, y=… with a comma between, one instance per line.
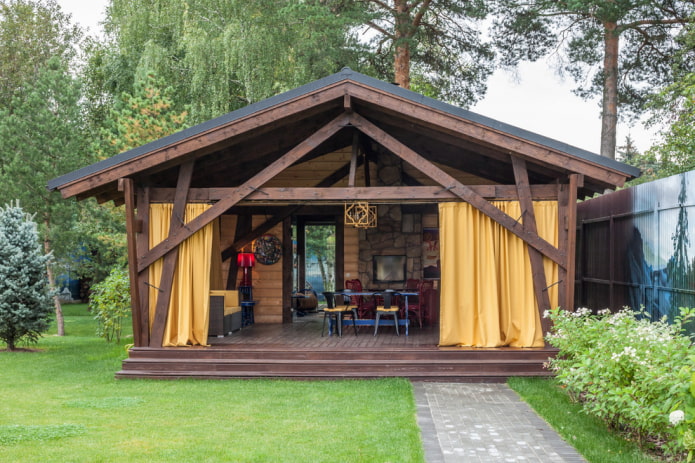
x=307, y=105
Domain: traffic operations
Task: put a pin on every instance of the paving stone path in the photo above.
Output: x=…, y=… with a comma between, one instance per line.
x=471, y=423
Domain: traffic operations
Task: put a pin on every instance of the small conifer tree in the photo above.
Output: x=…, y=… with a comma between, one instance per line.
x=25, y=302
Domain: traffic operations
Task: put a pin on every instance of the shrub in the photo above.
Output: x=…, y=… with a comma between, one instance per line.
x=25, y=301
x=110, y=302
x=626, y=369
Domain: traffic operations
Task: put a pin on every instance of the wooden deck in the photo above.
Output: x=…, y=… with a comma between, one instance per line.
x=298, y=351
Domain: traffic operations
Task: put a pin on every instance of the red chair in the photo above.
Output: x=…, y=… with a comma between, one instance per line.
x=365, y=306
x=417, y=305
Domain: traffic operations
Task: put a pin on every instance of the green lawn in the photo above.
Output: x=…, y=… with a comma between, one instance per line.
x=63, y=404
x=590, y=436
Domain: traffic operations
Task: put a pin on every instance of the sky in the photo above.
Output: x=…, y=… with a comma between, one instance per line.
x=534, y=98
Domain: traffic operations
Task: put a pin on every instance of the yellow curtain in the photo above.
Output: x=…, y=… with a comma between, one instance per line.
x=487, y=297
x=188, y=315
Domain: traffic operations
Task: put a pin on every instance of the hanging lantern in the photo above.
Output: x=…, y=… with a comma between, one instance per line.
x=360, y=215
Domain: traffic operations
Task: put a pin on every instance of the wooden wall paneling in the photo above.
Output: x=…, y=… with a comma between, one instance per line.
x=268, y=283
x=456, y=187
x=240, y=193
x=167, y=280
x=540, y=282
x=351, y=251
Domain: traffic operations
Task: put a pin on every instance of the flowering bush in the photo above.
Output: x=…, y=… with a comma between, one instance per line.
x=628, y=370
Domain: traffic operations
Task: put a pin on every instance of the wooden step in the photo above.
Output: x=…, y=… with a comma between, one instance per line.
x=424, y=364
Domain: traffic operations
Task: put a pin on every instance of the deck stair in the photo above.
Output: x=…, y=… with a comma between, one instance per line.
x=419, y=364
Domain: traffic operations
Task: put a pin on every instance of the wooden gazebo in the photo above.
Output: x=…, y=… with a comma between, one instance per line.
x=307, y=152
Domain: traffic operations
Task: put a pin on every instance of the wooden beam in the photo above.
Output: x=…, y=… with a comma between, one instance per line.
x=439, y=120
x=244, y=190
x=169, y=266
x=210, y=141
x=126, y=185
x=318, y=194
x=353, y=159
x=243, y=240
x=540, y=285
x=456, y=187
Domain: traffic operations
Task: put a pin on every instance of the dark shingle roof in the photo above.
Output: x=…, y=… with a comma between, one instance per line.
x=344, y=74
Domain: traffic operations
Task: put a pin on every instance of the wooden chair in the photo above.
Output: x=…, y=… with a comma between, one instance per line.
x=365, y=307
x=337, y=311
x=417, y=305
x=386, y=309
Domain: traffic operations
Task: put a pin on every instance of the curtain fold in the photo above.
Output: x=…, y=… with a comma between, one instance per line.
x=487, y=297
x=188, y=314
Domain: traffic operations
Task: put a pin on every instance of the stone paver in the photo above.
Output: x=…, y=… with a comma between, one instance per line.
x=464, y=422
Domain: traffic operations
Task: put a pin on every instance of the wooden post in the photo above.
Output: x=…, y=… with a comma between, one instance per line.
x=287, y=270
x=562, y=236
x=143, y=242
x=576, y=181
x=170, y=260
x=126, y=185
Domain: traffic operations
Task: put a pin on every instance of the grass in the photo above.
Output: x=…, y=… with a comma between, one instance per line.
x=587, y=434
x=63, y=404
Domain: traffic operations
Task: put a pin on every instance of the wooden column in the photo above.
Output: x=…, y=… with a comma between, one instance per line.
x=576, y=181
x=287, y=270
x=126, y=185
x=562, y=237
x=170, y=260
x=143, y=242
x=339, y=251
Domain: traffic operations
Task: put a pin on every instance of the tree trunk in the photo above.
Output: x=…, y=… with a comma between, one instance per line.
x=60, y=323
x=609, y=114
x=402, y=35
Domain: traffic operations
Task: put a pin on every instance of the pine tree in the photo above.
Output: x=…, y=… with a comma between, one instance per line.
x=25, y=302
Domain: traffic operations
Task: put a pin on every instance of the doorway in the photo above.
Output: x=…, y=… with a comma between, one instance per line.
x=314, y=255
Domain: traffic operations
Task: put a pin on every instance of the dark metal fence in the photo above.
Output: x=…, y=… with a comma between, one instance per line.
x=634, y=248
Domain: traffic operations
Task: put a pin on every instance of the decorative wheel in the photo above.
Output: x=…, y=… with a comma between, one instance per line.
x=267, y=249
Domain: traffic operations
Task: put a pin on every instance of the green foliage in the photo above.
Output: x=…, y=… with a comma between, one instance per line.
x=14, y=434
x=141, y=117
x=449, y=58
x=32, y=32
x=625, y=369
x=110, y=303
x=675, y=106
x=647, y=29
x=218, y=56
x=320, y=243
x=25, y=305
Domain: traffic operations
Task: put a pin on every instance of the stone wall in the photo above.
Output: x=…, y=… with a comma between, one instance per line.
x=396, y=234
